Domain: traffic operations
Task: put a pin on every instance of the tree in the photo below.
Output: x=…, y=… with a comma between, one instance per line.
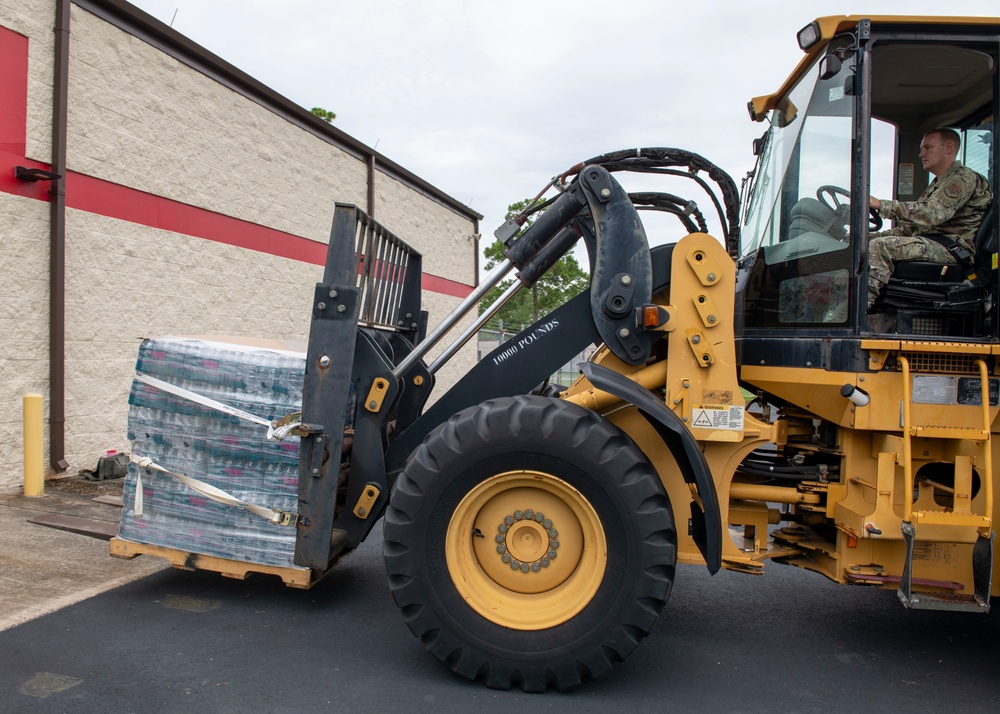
x=324, y=114
x=562, y=281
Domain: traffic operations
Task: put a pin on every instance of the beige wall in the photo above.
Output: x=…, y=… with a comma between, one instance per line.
x=141, y=119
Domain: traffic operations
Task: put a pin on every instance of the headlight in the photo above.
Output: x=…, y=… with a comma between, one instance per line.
x=809, y=35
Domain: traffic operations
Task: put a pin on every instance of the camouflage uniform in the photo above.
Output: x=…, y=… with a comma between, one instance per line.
x=953, y=205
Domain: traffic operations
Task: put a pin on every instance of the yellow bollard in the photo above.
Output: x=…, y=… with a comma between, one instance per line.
x=34, y=470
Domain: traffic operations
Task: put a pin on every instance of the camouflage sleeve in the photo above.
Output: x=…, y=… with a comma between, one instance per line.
x=900, y=229
x=938, y=208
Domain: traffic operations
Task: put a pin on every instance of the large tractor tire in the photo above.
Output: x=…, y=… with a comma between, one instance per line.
x=529, y=542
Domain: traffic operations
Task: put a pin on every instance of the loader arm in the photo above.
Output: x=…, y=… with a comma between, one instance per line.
x=391, y=383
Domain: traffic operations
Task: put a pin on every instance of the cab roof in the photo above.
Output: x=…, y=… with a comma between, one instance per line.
x=833, y=25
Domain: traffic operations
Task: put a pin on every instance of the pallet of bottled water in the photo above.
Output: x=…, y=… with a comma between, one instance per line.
x=187, y=450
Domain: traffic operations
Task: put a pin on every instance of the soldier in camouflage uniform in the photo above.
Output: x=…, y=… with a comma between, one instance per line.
x=953, y=205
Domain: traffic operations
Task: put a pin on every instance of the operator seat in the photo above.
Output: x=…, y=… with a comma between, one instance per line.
x=941, y=297
x=810, y=216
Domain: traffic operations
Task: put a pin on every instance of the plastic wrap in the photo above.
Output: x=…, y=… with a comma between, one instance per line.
x=222, y=450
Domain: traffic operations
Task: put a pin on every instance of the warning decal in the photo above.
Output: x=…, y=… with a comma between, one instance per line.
x=730, y=418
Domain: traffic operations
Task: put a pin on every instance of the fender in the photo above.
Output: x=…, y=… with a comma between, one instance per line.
x=706, y=520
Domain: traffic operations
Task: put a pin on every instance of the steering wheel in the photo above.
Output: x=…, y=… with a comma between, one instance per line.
x=843, y=208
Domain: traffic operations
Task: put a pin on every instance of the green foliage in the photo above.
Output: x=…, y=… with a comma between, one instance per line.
x=324, y=114
x=561, y=282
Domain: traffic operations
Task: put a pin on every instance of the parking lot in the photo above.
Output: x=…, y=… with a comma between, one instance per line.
x=789, y=641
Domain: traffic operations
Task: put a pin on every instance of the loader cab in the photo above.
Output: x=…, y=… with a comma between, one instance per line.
x=847, y=124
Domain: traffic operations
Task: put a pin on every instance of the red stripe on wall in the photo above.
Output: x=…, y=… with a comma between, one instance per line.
x=14, y=91
x=93, y=195
x=14, y=117
x=443, y=286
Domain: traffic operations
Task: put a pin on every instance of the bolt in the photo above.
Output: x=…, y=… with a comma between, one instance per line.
x=605, y=192
x=551, y=555
x=539, y=518
x=529, y=514
x=505, y=557
x=624, y=332
x=324, y=362
x=501, y=549
x=372, y=404
x=547, y=523
x=696, y=339
x=711, y=277
x=321, y=306
x=518, y=515
x=341, y=308
x=409, y=315
x=809, y=364
x=503, y=527
x=333, y=293
x=499, y=539
x=361, y=511
x=319, y=439
x=525, y=567
x=315, y=472
x=514, y=565
x=626, y=280
x=399, y=324
x=535, y=567
x=544, y=562
x=304, y=520
x=553, y=533
x=553, y=544
x=509, y=520
x=712, y=319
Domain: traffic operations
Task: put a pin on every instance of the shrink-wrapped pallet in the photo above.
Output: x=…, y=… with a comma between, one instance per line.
x=230, y=453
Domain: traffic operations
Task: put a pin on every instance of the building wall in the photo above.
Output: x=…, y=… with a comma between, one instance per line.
x=192, y=209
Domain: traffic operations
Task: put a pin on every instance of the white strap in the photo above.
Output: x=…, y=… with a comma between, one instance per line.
x=137, y=505
x=272, y=433
x=276, y=516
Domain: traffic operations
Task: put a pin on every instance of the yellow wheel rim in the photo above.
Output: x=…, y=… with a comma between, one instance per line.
x=526, y=550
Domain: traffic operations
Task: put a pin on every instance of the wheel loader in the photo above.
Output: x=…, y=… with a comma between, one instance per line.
x=743, y=404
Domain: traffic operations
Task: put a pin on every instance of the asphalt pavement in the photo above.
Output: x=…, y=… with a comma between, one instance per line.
x=43, y=569
x=788, y=641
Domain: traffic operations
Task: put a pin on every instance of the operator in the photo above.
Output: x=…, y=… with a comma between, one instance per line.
x=953, y=205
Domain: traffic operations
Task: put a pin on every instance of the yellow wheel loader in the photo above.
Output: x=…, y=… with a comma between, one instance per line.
x=743, y=404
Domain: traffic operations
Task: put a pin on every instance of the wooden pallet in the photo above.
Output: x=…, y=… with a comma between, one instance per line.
x=293, y=577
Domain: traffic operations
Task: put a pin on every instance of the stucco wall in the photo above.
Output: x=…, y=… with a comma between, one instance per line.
x=141, y=120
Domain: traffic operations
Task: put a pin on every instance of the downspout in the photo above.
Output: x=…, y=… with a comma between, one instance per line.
x=57, y=244
x=371, y=185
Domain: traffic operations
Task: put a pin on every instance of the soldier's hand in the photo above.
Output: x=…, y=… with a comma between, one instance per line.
x=874, y=202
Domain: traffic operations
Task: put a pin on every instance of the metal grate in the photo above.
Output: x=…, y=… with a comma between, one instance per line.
x=941, y=363
x=388, y=272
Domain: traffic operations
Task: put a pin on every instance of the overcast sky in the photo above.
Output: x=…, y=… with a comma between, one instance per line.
x=488, y=100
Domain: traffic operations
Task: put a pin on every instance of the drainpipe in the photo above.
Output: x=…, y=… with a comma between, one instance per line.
x=371, y=185
x=57, y=244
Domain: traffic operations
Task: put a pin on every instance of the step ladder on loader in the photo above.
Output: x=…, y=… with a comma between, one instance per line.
x=958, y=524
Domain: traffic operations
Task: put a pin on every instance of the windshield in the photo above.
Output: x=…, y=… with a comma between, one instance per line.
x=797, y=217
